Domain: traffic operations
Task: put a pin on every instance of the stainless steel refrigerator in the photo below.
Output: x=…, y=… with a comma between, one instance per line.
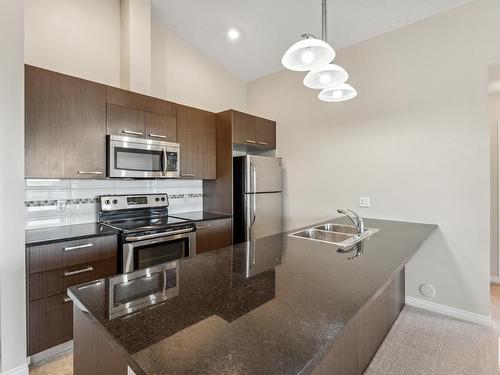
x=257, y=196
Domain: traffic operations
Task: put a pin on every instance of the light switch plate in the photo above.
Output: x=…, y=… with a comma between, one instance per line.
x=364, y=202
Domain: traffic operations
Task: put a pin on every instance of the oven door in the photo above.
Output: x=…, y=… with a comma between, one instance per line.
x=146, y=251
x=142, y=158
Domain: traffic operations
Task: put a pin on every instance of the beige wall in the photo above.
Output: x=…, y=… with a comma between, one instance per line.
x=181, y=73
x=494, y=113
x=416, y=140
x=80, y=38
x=12, y=279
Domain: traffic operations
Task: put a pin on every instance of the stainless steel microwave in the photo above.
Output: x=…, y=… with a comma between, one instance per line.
x=142, y=158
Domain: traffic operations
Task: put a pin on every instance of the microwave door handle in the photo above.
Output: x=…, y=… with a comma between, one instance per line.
x=164, y=160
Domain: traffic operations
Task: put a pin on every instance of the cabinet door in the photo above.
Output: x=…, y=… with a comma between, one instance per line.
x=50, y=322
x=161, y=127
x=213, y=234
x=65, y=118
x=196, y=135
x=125, y=121
x=266, y=133
x=244, y=130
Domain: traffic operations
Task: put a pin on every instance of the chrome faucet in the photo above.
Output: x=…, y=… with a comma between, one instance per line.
x=355, y=218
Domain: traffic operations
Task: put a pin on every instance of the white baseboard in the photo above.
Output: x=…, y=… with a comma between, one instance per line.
x=449, y=311
x=495, y=279
x=19, y=370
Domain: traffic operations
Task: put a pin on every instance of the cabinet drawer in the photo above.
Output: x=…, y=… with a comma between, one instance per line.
x=48, y=283
x=70, y=253
x=50, y=322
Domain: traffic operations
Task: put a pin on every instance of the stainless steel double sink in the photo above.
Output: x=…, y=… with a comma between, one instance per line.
x=341, y=235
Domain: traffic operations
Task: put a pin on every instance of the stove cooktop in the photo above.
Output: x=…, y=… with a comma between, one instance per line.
x=146, y=224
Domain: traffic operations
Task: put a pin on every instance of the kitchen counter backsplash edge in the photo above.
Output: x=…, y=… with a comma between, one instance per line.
x=59, y=202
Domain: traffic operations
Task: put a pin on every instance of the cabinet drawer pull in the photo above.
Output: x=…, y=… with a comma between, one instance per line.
x=158, y=136
x=78, y=247
x=88, y=269
x=66, y=299
x=203, y=226
x=90, y=172
x=262, y=143
x=188, y=174
x=249, y=141
x=132, y=132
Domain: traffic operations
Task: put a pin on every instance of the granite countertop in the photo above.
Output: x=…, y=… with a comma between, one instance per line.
x=43, y=236
x=271, y=306
x=201, y=215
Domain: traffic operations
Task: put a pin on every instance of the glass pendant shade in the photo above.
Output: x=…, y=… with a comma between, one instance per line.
x=308, y=54
x=326, y=76
x=338, y=93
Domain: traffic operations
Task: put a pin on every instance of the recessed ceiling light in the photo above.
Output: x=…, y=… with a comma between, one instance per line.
x=233, y=33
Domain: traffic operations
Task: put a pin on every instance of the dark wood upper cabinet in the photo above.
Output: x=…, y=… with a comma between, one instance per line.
x=65, y=118
x=265, y=132
x=243, y=128
x=196, y=135
x=137, y=115
x=254, y=132
x=125, y=121
x=161, y=127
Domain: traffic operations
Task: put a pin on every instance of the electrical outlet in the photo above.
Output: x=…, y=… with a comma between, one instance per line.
x=61, y=205
x=364, y=202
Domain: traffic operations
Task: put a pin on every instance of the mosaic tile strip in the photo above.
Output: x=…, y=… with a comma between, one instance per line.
x=53, y=202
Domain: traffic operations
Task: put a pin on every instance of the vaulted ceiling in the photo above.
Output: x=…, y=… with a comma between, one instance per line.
x=269, y=27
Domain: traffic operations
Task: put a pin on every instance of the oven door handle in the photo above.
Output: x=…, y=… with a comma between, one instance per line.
x=157, y=235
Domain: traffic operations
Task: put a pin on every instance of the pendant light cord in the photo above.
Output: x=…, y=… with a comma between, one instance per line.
x=324, y=30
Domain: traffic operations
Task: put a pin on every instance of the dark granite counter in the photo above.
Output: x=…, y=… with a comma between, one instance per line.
x=201, y=215
x=271, y=306
x=34, y=237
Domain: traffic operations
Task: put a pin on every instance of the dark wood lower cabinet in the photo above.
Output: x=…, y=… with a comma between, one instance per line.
x=362, y=336
x=213, y=234
x=50, y=322
x=53, y=268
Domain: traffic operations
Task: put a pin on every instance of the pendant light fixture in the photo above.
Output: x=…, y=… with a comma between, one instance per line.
x=308, y=53
x=326, y=76
x=315, y=55
x=339, y=93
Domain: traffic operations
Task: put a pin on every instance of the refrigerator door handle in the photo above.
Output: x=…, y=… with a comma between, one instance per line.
x=253, y=186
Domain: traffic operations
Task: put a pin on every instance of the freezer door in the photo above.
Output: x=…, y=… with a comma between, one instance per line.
x=263, y=215
x=262, y=174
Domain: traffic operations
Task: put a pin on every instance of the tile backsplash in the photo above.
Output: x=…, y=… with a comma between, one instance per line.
x=55, y=202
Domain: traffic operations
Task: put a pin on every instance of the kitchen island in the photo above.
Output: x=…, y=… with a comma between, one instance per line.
x=277, y=305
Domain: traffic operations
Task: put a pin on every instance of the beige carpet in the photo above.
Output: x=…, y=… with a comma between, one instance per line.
x=425, y=343
x=419, y=343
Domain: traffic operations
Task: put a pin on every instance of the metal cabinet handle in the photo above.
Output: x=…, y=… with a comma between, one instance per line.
x=131, y=132
x=66, y=299
x=250, y=141
x=262, y=143
x=188, y=174
x=88, y=269
x=158, y=136
x=90, y=172
x=78, y=247
x=206, y=226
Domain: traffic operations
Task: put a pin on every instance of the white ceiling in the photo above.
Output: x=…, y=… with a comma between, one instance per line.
x=269, y=27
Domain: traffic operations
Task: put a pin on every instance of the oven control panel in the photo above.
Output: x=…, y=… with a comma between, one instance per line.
x=127, y=202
